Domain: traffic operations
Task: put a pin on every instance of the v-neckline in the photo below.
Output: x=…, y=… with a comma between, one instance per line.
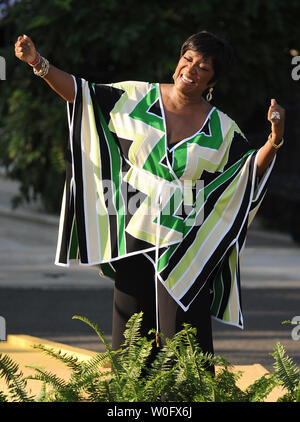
x=176, y=144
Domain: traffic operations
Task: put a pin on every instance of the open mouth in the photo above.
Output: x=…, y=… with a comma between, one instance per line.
x=186, y=80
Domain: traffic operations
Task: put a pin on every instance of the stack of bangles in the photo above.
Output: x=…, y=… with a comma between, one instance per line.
x=44, y=66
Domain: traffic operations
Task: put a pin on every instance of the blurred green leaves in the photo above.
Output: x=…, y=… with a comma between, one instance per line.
x=107, y=41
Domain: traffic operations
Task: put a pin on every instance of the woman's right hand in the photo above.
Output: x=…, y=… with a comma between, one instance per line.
x=25, y=49
x=61, y=82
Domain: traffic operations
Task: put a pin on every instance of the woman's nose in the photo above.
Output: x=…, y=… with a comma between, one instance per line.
x=192, y=67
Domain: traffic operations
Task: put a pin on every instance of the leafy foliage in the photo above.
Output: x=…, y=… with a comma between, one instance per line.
x=16, y=383
x=116, y=40
x=287, y=373
x=178, y=372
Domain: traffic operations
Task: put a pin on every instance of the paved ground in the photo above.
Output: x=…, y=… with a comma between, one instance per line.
x=39, y=299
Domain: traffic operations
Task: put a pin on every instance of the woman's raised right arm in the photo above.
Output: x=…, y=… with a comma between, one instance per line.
x=61, y=82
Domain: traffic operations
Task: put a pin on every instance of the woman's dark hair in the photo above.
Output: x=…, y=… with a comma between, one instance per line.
x=209, y=45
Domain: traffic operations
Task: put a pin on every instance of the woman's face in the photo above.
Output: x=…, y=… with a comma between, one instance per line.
x=193, y=73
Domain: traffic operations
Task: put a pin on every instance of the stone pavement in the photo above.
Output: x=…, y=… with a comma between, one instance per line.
x=39, y=299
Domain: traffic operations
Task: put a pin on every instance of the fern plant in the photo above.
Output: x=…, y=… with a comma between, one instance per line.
x=287, y=373
x=15, y=381
x=179, y=372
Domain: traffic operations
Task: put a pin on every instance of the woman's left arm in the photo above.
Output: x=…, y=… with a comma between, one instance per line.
x=276, y=115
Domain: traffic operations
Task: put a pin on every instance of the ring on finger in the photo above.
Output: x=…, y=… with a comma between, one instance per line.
x=275, y=115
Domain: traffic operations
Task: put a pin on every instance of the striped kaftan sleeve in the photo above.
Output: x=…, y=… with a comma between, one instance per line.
x=92, y=177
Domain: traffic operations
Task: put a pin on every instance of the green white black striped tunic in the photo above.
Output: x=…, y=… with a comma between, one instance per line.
x=187, y=207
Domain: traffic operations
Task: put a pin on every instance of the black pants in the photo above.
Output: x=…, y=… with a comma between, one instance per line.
x=135, y=292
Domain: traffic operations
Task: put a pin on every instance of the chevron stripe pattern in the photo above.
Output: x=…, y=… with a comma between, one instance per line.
x=128, y=192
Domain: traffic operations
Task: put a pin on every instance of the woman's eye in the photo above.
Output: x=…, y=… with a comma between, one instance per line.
x=187, y=58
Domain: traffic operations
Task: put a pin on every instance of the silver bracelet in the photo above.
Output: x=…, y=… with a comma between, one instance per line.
x=44, y=69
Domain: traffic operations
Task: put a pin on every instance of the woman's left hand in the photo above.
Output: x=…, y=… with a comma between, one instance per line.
x=276, y=115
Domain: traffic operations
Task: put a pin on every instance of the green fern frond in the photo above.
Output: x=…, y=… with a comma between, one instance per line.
x=144, y=351
x=285, y=369
x=100, y=360
x=95, y=328
x=191, y=380
x=61, y=390
x=159, y=385
x=261, y=388
x=15, y=380
x=3, y=397
x=17, y=389
x=288, y=397
x=190, y=335
x=135, y=349
x=218, y=360
x=48, y=377
x=160, y=376
x=43, y=395
x=226, y=386
x=136, y=360
x=132, y=332
x=88, y=384
x=116, y=368
x=297, y=393
x=111, y=354
x=67, y=359
x=101, y=392
x=7, y=367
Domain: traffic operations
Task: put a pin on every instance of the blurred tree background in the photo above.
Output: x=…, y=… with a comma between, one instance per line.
x=114, y=40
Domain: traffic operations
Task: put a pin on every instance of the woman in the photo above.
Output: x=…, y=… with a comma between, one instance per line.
x=133, y=201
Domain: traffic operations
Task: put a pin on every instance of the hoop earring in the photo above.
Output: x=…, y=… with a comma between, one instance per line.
x=209, y=94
